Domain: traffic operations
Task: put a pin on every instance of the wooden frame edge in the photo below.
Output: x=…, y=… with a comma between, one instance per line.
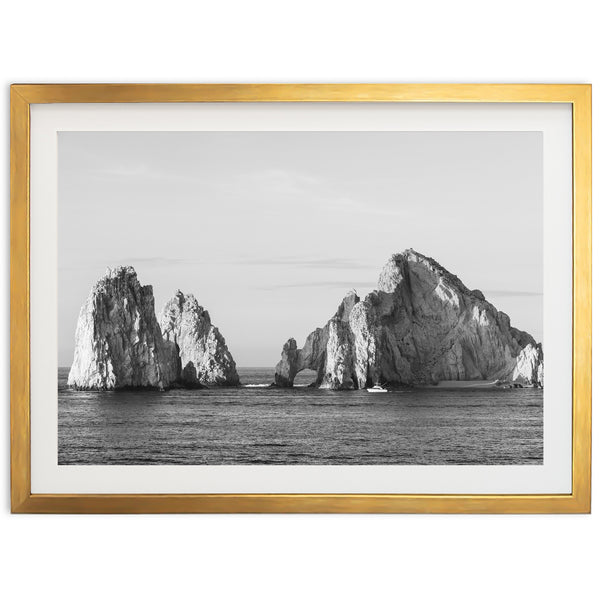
x=22, y=501
x=302, y=92
x=582, y=294
x=302, y=503
x=20, y=433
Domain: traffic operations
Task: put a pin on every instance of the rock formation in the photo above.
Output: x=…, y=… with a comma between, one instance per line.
x=118, y=341
x=422, y=325
x=202, y=350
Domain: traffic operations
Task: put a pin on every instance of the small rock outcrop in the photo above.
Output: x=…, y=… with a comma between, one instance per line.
x=118, y=342
x=422, y=325
x=202, y=350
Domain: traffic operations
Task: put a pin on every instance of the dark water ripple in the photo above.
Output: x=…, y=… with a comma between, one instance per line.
x=299, y=426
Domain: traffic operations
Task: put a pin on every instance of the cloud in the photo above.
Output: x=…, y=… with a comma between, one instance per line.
x=348, y=285
x=157, y=261
x=283, y=180
x=119, y=171
x=292, y=261
x=144, y=173
x=309, y=263
x=359, y=206
x=135, y=262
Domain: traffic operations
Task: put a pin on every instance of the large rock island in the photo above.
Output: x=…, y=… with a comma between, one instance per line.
x=119, y=343
x=421, y=326
x=203, y=352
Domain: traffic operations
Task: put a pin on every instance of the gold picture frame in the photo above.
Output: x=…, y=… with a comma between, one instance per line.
x=23, y=501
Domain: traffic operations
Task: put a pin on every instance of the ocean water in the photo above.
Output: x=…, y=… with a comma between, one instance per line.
x=300, y=426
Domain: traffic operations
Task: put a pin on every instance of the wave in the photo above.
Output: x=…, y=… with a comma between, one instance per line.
x=257, y=385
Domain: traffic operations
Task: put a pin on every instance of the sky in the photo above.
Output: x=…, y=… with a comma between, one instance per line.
x=269, y=230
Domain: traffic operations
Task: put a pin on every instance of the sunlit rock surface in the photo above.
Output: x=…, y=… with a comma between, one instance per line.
x=202, y=350
x=530, y=365
x=421, y=326
x=118, y=342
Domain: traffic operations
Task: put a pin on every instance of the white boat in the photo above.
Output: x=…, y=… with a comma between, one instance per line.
x=376, y=388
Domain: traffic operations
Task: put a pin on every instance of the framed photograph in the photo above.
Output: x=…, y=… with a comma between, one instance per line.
x=301, y=298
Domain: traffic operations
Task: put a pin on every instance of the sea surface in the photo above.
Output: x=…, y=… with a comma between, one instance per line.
x=255, y=424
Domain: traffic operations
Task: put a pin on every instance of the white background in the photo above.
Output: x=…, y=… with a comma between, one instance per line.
x=463, y=556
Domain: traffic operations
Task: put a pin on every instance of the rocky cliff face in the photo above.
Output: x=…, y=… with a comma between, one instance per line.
x=202, y=350
x=118, y=341
x=421, y=325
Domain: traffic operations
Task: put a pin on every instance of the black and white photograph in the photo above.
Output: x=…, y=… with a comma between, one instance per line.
x=300, y=298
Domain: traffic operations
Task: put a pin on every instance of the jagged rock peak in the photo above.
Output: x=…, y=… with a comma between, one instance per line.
x=179, y=305
x=421, y=325
x=203, y=353
x=348, y=303
x=400, y=265
x=118, y=343
x=119, y=271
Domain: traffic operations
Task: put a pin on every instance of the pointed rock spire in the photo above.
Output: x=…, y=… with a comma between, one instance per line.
x=203, y=353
